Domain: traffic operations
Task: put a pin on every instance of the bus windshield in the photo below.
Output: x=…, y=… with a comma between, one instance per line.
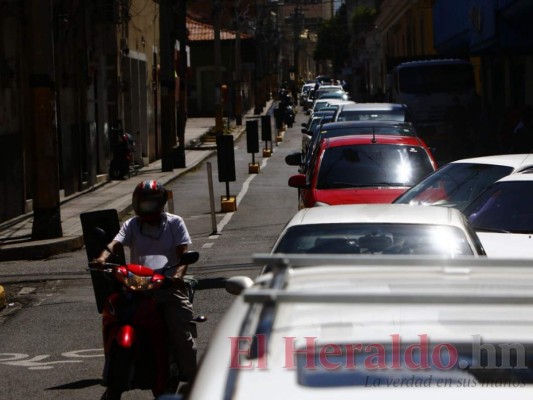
x=436, y=78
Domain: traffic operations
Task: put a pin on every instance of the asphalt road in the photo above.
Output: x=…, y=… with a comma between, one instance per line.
x=50, y=335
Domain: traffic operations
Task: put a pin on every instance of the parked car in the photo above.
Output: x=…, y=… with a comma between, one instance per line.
x=312, y=127
x=362, y=169
x=456, y=184
x=503, y=216
x=335, y=129
x=329, y=104
x=372, y=112
x=326, y=102
x=324, y=80
x=379, y=229
x=309, y=100
x=315, y=93
x=347, y=327
x=304, y=92
x=337, y=94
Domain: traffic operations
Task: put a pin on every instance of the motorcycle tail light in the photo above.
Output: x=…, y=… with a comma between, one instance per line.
x=126, y=336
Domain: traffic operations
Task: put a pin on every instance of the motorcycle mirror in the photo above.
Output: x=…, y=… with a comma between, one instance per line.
x=190, y=257
x=237, y=284
x=101, y=237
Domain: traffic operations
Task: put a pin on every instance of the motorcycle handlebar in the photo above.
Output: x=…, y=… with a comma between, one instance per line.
x=95, y=265
x=189, y=257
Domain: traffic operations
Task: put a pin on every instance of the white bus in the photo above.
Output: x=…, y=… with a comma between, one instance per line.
x=429, y=88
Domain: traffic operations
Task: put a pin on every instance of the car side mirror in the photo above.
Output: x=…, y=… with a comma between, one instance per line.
x=298, y=181
x=237, y=284
x=304, y=130
x=294, y=159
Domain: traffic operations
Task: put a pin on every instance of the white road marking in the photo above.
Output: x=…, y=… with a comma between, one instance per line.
x=25, y=290
x=39, y=363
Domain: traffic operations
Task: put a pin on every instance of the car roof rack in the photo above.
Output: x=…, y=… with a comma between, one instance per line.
x=280, y=261
x=281, y=265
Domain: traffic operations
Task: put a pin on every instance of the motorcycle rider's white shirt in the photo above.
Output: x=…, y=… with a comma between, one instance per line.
x=154, y=246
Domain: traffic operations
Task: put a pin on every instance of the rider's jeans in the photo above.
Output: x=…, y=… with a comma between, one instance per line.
x=177, y=311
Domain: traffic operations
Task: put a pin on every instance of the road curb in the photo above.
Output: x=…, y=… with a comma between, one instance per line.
x=40, y=249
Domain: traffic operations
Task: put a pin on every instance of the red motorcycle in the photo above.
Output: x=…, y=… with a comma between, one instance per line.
x=134, y=334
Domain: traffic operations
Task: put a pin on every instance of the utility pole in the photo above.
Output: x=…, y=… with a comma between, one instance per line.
x=238, y=72
x=182, y=102
x=167, y=20
x=296, y=43
x=219, y=124
x=46, y=208
x=259, y=60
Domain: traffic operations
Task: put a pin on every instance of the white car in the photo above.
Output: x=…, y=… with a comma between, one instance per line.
x=314, y=94
x=379, y=229
x=304, y=92
x=458, y=183
x=503, y=217
x=339, y=327
x=372, y=112
x=323, y=103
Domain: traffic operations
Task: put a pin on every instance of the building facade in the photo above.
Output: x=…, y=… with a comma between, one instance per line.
x=64, y=91
x=495, y=35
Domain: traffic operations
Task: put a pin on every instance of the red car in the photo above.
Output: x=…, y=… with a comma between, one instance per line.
x=363, y=169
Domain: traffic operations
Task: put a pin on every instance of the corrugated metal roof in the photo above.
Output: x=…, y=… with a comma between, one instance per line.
x=199, y=31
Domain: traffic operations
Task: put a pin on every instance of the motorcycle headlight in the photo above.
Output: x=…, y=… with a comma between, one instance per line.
x=138, y=283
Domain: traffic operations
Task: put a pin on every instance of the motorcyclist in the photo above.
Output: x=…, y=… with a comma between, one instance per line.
x=157, y=239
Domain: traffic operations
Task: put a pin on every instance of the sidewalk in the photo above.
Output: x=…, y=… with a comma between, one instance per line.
x=15, y=242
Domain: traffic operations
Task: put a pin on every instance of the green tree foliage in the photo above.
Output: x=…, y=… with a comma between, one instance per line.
x=333, y=40
x=362, y=19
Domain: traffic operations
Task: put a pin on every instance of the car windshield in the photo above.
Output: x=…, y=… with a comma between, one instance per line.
x=504, y=207
x=374, y=238
x=319, y=105
x=306, y=89
x=454, y=185
x=372, y=165
x=371, y=115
